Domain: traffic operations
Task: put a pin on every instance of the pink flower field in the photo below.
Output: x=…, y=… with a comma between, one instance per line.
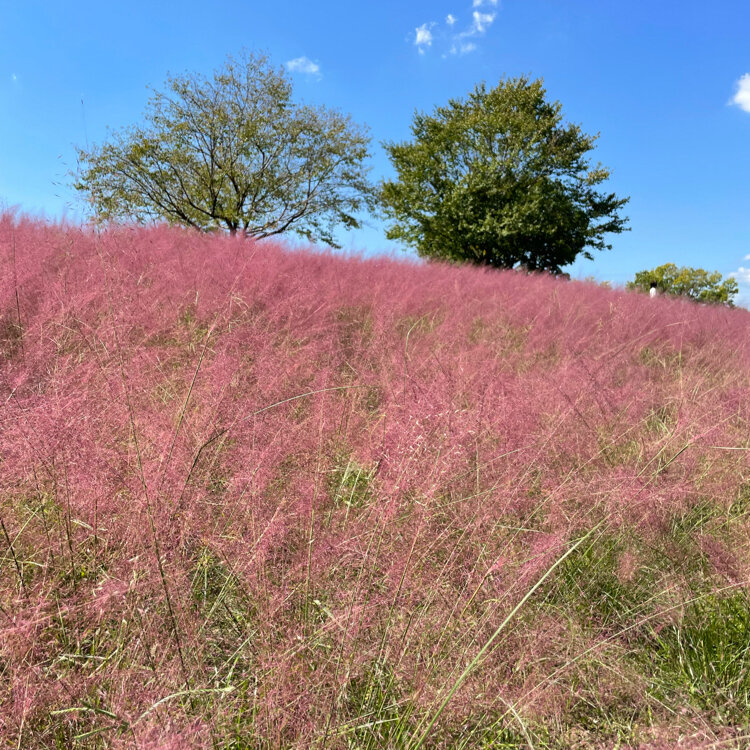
x=261, y=498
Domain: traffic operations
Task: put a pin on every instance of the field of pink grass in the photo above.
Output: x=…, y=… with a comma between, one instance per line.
x=253, y=498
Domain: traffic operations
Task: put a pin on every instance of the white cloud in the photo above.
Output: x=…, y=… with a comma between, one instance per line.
x=742, y=275
x=482, y=21
x=747, y=257
x=742, y=95
x=303, y=65
x=457, y=42
x=14, y=78
x=423, y=37
x=463, y=48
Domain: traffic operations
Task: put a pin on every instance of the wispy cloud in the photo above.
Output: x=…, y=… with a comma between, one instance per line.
x=453, y=41
x=423, y=37
x=303, y=65
x=742, y=275
x=462, y=48
x=481, y=22
x=742, y=96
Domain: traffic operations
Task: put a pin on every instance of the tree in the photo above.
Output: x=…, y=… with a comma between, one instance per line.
x=235, y=152
x=694, y=283
x=498, y=179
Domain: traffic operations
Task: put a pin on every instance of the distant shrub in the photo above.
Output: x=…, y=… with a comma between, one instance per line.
x=692, y=283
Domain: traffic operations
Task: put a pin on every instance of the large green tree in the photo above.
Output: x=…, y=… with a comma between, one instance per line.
x=499, y=179
x=692, y=283
x=233, y=151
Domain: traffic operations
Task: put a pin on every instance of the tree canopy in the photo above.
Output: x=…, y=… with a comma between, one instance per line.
x=499, y=179
x=233, y=152
x=692, y=283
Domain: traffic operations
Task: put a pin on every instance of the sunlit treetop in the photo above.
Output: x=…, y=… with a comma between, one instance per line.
x=692, y=283
x=499, y=179
x=233, y=152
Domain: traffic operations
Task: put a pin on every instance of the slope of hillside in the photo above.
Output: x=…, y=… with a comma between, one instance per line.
x=259, y=498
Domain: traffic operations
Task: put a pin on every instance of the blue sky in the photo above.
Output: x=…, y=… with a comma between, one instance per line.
x=666, y=84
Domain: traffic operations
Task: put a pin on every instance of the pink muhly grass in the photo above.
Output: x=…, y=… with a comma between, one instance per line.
x=250, y=492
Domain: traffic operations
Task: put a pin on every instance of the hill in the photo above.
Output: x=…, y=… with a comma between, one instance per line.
x=261, y=498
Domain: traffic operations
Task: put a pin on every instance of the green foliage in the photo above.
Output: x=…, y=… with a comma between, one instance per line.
x=233, y=152
x=589, y=583
x=227, y=616
x=351, y=484
x=693, y=283
x=706, y=656
x=498, y=179
x=496, y=735
x=382, y=717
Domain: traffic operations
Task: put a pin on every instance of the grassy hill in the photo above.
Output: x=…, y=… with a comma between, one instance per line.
x=260, y=498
